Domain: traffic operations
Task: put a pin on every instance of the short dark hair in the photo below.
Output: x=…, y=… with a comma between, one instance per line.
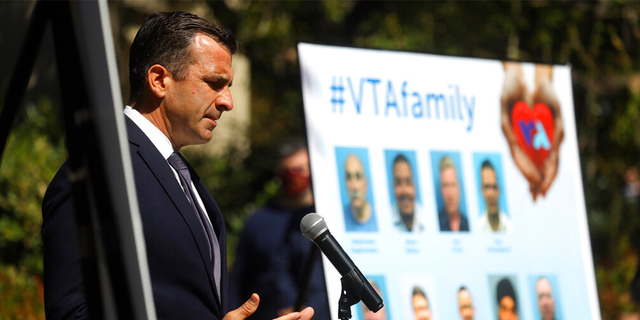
x=400, y=158
x=290, y=147
x=417, y=291
x=505, y=289
x=487, y=165
x=165, y=38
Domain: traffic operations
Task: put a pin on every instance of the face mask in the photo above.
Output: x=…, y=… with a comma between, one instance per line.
x=294, y=183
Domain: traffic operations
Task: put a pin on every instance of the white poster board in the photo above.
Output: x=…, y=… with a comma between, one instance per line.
x=372, y=116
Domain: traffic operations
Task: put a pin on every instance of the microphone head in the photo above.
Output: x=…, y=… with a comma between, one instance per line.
x=312, y=225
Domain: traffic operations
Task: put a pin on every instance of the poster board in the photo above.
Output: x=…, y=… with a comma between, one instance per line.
x=399, y=145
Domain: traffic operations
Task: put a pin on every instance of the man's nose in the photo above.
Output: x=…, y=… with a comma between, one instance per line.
x=224, y=101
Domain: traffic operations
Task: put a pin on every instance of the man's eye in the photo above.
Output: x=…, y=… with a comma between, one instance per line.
x=215, y=84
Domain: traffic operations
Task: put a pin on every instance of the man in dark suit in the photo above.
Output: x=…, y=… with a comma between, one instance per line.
x=180, y=74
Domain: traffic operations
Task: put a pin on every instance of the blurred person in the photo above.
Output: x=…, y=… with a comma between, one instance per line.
x=406, y=210
x=420, y=304
x=546, y=301
x=493, y=219
x=507, y=301
x=465, y=305
x=450, y=216
x=358, y=212
x=515, y=90
x=272, y=254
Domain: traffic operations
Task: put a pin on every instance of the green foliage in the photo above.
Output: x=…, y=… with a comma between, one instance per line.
x=21, y=293
x=32, y=156
x=28, y=164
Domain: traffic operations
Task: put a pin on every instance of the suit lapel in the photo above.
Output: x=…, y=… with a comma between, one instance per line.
x=163, y=173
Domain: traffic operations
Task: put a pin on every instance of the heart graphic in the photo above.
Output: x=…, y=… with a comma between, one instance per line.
x=534, y=129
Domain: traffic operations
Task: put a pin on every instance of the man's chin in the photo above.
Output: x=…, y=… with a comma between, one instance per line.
x=407, y=213
x=357, y=204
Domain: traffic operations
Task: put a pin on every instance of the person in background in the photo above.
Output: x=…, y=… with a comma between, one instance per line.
x=272, y=256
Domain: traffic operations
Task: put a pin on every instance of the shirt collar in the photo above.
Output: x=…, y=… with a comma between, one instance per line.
x=159, y=139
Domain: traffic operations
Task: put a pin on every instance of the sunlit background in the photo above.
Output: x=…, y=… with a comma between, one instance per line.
x=600, y=40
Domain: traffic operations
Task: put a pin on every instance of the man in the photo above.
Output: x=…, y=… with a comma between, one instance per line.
x=406, y=209
x=546, y=301
x=465, y=305
x=493, y=219
x=180, y=74
x=273, y=256
x=450, y=216
x=420, y=303
x=507, y=302
x=359, y=215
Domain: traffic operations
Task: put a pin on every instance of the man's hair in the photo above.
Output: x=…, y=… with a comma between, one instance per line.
x=505, y=289
x=463, y=288
x=487, y=165
x=290, y=147
x=417, y=291
x=446, y=162
x=165, y=38
x=400, y=158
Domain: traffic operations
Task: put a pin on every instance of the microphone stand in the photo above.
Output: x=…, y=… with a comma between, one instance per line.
x=352, y=288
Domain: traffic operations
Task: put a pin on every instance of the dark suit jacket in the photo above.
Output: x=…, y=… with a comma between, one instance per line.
x=444, y=221
x=271, y=260
x=177, y=251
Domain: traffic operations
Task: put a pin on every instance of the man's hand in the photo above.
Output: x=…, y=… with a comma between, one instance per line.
x=249, y=307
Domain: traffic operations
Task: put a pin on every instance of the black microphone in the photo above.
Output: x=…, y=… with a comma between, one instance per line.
x=315, y=228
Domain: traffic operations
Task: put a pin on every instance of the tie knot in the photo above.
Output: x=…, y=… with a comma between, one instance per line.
x=176, y=162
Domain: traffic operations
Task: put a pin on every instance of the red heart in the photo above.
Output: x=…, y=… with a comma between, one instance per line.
x=534, y=129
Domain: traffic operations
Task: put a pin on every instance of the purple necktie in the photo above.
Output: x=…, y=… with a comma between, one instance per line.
x=175, y=160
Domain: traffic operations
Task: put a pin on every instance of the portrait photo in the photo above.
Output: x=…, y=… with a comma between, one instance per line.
x=504, y=297
x=448, y=183
x=492, y=194
x=545, y=293
x=404, y=191
x=355, y=189
x=418, y=297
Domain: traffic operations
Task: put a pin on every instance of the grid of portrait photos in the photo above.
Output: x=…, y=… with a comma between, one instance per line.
x=416, y=175
x=410, y=214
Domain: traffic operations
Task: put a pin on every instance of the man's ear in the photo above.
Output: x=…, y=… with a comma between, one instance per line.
x=158, y=78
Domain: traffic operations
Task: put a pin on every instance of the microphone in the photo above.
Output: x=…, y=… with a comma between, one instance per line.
x=315, y=229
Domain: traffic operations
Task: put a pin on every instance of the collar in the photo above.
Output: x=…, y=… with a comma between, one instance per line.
x=159, y=139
